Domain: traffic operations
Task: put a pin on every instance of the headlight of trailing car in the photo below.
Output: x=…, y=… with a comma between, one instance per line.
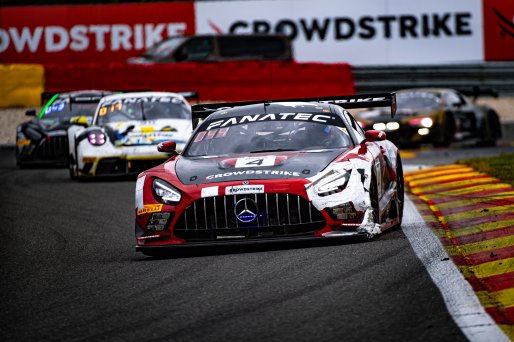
x=422, y=122
x=332, y=184
x=165, y=192
x=96, y=138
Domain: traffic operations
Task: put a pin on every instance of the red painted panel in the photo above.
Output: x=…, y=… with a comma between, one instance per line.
x=498, y=30
x=88, y=33
x=224, y=81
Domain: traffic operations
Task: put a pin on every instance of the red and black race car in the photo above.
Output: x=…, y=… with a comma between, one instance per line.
x=275, y=170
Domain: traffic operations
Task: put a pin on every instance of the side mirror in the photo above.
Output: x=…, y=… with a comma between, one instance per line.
x=80, y=121
x=167, y=147
x=30, y=112
x=373, y=135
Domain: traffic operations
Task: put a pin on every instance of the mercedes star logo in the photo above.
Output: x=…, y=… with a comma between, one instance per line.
x=246, y=210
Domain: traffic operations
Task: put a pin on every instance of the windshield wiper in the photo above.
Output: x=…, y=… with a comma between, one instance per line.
x=274, y=150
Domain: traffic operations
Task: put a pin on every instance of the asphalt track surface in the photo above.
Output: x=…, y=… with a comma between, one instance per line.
x=69, y=272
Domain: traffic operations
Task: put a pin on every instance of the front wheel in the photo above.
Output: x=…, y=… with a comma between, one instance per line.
x=72, y=167
x=447, y=132
x=373, y=196
x=400, y=189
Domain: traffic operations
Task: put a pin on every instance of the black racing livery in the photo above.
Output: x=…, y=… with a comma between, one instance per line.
x=44, y=138
x=437, y=116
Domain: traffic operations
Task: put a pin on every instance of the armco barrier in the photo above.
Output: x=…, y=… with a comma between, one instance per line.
x=223, y=81
x=21, y=85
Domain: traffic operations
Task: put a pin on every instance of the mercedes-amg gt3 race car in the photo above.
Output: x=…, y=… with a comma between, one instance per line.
x=277, y=170
x=437, y=116
x=125, y=131
x=44, y=139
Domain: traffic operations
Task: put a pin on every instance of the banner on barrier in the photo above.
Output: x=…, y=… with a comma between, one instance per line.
x=499, y=30
x=89, y=33
x=365, y=32
x=360, y=33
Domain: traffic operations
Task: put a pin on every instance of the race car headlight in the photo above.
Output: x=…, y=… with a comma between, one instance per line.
x=332, y=184
x=96, y=138
x=165, y=192
x=422, y=122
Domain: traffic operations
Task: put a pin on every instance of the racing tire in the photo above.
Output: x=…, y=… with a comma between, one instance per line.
x=492, y=130
x=447, y=131
x=72, y=168
x=400, y=190
x=373, y=196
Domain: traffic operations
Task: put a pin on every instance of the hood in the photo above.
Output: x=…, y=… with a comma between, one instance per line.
x=280, y=165
x=151, y=132
x=36, y=129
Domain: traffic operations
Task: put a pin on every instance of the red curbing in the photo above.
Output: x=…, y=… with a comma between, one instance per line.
x=475, y=223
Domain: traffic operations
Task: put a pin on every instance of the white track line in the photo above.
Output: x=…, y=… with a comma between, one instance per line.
x=460, y=299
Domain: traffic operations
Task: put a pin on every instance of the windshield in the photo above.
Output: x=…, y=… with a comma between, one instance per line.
x=267, y=136
x=417, y=100
x=61, y=109
x=142, y=108
x=164, y=48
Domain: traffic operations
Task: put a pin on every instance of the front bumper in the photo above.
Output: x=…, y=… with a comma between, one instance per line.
x=118, y=166
x=155, y=250
x=279, y=216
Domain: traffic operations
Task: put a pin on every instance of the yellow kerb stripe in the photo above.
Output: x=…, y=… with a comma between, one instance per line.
x=441, y=187
x=503, y=298
x=481, y=246
x=407, y=154
x=441, y=168
x=476, y=213
x=475, y=200
x=480, y=228
x=508, y=329
x=429, y=173
x=464, y=191
x=488, y=269
x=444, y=178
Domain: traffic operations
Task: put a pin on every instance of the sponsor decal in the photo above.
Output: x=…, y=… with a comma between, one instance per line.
x=88, y=33
x=162, y=99
x=255, y=161
x=210, y=191
x=255, y=172
x=273, y=117
x=149, y=208
x=363, y=27
x=244, y=189
x=335, y=31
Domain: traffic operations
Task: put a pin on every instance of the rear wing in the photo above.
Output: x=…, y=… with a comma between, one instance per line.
x=201, y=111
x=478, y=91
x=189, y=95
x=92, y=97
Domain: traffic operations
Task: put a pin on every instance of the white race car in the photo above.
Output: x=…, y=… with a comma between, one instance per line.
x=124, y=132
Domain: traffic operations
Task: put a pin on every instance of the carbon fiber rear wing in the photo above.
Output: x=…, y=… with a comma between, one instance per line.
x=201, y=111
x=478, y=91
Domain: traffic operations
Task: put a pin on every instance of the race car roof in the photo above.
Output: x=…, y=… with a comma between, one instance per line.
x=183, y=95
x=77, y=96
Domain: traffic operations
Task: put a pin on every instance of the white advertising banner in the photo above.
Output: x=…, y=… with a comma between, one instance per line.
x=358, y=32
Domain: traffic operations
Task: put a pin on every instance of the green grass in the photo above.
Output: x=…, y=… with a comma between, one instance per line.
x=501, y=167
